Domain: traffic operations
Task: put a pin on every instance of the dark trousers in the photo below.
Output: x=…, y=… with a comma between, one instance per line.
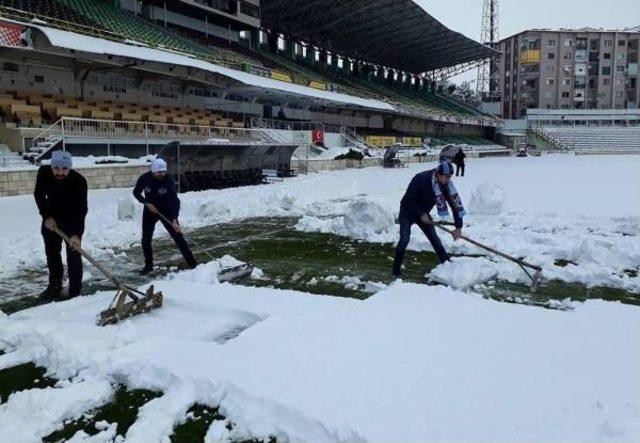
x=149, y=221
x=405, y=234
x=53, y=247
x=460, y=168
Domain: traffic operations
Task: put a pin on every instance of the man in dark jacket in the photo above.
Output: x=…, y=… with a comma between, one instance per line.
x=160, y=197
x=61, y=196
x=426, y=190
x=458, y=160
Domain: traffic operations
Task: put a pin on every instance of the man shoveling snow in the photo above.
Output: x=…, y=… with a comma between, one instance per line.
x=426, y=190
x=160, y=203
x=61, y=197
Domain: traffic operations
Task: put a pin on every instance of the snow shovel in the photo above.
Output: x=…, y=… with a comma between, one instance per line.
x=119, y=308
x=228, y=274
x=535, y=278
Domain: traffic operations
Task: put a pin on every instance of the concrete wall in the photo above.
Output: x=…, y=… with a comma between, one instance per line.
x=337, y=165
x=23, y=182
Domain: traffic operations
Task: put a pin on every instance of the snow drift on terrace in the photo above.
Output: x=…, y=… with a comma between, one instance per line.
x=409, y=364
x=553, y=207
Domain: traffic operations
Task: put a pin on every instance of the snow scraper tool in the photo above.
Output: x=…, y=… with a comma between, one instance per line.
x=536, y=277
x=120, y=308
x=227, y=274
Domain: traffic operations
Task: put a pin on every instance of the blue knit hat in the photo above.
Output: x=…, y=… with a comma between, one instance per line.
x=61, y=159
x=445, y=168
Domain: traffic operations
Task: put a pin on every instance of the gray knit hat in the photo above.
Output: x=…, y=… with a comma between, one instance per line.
x=61, y=159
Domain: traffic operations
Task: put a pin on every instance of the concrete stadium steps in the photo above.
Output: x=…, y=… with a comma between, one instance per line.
x=604, y=138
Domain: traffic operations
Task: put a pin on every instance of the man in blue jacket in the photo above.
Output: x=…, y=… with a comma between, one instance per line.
x=426, y=190
x=160, y=196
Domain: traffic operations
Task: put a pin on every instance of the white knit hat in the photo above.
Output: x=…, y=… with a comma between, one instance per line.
x=158, y=165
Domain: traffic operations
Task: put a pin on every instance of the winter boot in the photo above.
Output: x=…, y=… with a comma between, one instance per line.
x=50, y=293
x=146, y=270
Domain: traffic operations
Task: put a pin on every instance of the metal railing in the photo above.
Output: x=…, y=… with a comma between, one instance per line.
x=116, y=129
x=291, y=125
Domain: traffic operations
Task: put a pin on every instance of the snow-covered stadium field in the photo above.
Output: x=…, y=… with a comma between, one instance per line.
x=414, y=362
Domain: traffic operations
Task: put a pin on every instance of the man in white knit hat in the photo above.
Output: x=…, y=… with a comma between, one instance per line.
x=157, y=191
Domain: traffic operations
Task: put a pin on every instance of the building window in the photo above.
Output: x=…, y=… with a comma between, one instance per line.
x=551, y=56
x=565, y=107
x=620, y=69
x=621, y=56
x=605, y=81
x=566, y=69
x=607, y=56
x=551, y=81
x=565, y=94
x=548, y=106
x=606, y=70
x=622, y=43
x=619, y=94
x=550, y=69
x=567, y=56
x=249, y=9
x=567, y=82
x=594, y=44
x=552, y=43
x=568, y=42
x=608, y=43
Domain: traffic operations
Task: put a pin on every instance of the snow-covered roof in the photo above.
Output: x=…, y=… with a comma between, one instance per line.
x=84, y=43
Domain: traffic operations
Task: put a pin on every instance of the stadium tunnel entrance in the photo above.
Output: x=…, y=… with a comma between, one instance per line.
x=209, y=165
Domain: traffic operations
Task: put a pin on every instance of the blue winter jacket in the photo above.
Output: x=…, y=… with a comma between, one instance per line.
x=160, y=193
x=419, y=198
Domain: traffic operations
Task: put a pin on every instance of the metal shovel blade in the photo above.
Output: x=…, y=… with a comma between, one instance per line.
x=123, y=309
x=234, y=273
x=536, y=280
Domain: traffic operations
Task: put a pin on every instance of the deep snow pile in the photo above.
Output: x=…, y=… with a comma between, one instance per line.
x=412, y=364
x=578, y=209
x=487, y=199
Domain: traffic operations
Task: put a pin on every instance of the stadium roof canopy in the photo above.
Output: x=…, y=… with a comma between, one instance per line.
x=393, y=33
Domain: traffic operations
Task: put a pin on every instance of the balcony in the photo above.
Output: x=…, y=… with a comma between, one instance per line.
x=530, y=56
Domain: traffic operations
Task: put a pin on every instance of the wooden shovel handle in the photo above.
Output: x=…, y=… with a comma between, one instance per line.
x=490, y=249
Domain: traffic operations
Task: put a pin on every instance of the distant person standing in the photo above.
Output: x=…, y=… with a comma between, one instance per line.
x=61, y=196
x=157, y=191
x=458, y=160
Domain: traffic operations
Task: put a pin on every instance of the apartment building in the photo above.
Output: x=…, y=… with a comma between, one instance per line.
x=569, y=69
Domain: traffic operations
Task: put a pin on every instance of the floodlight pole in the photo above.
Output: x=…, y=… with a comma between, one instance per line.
x=487, y=84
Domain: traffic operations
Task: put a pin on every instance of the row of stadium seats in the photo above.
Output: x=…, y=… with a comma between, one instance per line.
x=424, y=101
x=96, y=15
x=53, y=9
x=596, y=138
x=202, y=180
x=31, y=109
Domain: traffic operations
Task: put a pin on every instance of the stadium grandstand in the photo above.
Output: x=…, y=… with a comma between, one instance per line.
x=108, y=77
x=593, y=131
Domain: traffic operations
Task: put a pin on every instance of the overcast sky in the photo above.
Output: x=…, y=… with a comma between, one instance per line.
x=517, y=15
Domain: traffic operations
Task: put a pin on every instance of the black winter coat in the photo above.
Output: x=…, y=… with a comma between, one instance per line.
x=64, y=200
